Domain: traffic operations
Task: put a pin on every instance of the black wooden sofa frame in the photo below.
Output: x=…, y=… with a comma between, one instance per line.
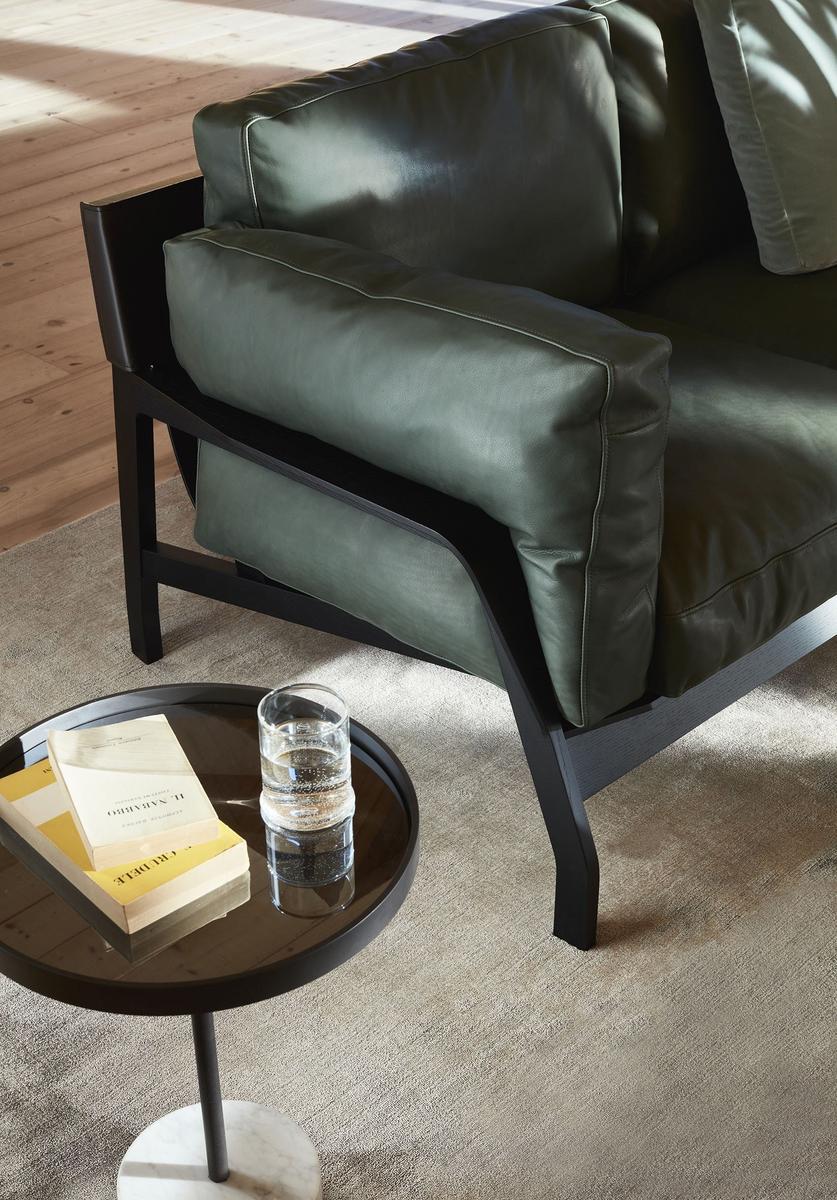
x=124, y=237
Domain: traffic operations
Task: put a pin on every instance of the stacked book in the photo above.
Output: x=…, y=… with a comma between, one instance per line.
x=119, y=824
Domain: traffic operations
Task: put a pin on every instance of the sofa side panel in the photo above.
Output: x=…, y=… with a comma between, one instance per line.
x=408, y=586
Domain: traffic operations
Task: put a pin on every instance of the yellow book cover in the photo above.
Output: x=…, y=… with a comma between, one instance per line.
x=132, y=894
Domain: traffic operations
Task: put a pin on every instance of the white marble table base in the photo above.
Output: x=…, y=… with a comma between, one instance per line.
x=271, y=1158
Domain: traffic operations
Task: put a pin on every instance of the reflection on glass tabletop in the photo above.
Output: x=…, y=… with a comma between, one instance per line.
x=253, y=950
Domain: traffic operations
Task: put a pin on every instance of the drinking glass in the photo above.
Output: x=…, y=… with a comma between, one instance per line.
x=306, y=758
x=311, y=871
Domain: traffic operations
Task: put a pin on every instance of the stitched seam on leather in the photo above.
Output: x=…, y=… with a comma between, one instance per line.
x=484, y=319
x=454, y=312
x=594, y=537
x=734, y=583
x=244, y=144
x=767, y=155
x=664, y=380
x=374, y=82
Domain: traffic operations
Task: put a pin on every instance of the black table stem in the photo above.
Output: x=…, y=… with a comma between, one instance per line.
x=209, y=1084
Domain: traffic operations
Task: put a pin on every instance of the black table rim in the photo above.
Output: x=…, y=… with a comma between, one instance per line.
x=261, y=983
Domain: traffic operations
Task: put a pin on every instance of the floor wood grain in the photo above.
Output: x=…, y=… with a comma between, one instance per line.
x=98, y=98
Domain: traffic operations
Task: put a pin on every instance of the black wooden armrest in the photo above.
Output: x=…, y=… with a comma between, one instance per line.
x=124, y=237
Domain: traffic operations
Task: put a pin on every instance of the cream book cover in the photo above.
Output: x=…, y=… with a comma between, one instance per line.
x=134, y=894
x=132, y=790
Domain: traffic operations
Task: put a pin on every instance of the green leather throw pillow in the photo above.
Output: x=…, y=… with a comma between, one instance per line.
x=549, y=417
x=492, y=152
x=774, y=67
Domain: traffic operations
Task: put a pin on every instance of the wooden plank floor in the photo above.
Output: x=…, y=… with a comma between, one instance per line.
x=97, y=97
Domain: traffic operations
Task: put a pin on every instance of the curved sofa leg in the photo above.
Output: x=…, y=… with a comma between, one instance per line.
x=576, y=860
x=565, y=817
x=502, y=589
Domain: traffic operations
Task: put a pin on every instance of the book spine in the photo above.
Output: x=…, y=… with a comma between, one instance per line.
x=42, y=847
x=62, y=783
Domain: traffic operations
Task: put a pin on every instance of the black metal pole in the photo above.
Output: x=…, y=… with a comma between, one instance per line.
x=203, y=1031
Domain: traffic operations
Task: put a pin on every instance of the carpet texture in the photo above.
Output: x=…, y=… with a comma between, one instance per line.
x=467, y=1054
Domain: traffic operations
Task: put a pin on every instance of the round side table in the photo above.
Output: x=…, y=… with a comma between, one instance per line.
x=216, y=1148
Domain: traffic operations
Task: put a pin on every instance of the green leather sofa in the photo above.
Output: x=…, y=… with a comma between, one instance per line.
x=512, y=268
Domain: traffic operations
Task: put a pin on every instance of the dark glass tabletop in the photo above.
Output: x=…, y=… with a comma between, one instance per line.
x=253, y=951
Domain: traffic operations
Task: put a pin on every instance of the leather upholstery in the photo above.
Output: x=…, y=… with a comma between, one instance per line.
x=549, y=417
x=410, y=587
x=750, y=539
x=682, y=196
x=731, y=295
x=492, y=152
x=774, y=68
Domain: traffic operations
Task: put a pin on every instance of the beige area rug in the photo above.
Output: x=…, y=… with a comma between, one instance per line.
x=466, y=1054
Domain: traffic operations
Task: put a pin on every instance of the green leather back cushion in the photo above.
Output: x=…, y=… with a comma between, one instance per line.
x=492, y=152
x=681, y=194
x=774, y=66
x=549, y=417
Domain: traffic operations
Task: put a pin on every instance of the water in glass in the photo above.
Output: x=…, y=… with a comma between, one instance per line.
x=311, y=871
x=306, y=759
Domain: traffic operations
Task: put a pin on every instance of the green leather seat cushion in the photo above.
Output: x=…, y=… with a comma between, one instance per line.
x=750, y=532
x=549, y=417
x=733, y=296
x=492, y=152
